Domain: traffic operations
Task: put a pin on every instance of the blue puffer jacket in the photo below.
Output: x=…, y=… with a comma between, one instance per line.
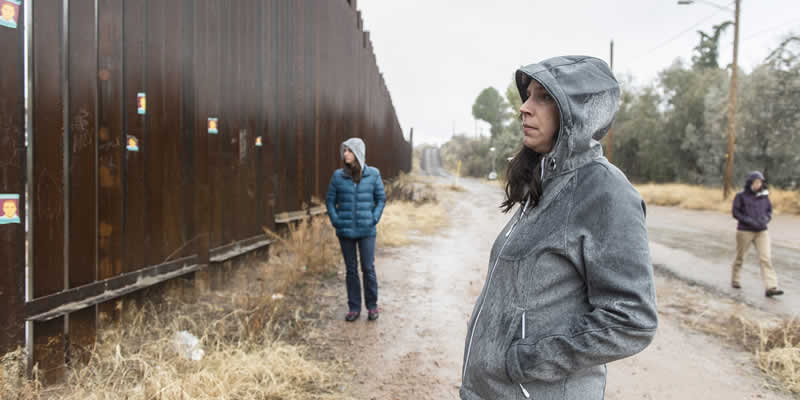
x=355, y=208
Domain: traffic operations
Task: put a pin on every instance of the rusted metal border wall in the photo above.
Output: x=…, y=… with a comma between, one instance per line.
x=286, y=82
x=12, y=183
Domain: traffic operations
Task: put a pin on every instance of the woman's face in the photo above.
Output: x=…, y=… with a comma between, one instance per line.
x=540, y=119
x=756, y=185
x=349, y=157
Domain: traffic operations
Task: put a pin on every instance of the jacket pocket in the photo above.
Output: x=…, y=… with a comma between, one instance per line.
x=486, y=360
x=514, y=333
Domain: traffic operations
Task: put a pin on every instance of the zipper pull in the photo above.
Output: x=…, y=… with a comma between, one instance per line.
x=524, y=392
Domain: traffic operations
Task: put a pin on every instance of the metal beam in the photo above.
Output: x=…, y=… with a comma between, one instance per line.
x=225, y=253
x=290, y=216
x=57, y=304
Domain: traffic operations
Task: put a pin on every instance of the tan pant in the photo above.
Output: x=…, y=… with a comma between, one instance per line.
x=761, y=240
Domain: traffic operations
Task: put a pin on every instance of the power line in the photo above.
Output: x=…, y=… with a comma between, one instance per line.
x=683, y=32
x=674, y=38
x=790, y=22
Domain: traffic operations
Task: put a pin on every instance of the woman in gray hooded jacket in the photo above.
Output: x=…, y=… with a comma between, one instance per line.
x=570, y=285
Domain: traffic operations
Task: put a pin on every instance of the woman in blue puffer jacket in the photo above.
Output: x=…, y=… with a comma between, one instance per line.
x=355, y=203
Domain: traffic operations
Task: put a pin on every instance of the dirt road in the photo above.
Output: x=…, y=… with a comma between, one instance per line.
x=699, y=246
x=427, y=290
x=426, y=295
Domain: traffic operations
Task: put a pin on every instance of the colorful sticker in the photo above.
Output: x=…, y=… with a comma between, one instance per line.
x=258, y=141
x=133, y=143
x=9, y=13
x=141, y=103
x=10, y=212
x=213, y=123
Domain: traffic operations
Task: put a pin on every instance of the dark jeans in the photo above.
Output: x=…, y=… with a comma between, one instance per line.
x=366, y=247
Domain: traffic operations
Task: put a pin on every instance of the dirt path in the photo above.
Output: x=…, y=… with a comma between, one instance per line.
x=699, y=246
x=427, y=290
x=426, y=294
x=683, y=364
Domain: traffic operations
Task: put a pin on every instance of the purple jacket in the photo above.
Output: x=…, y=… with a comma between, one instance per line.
x=752, y=210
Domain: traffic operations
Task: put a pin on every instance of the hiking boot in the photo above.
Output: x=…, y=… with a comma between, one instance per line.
x=773, y=292
x=736, y=285
x=351, y=316
x=372, y=315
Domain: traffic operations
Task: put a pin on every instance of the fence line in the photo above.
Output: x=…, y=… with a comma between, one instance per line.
x=164, y=137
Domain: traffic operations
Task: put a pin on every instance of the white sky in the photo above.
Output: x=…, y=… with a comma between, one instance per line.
x=437, y=55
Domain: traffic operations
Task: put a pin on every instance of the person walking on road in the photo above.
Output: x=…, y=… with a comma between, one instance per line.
x=570, y=284
x=753, y=210
x=355, y=202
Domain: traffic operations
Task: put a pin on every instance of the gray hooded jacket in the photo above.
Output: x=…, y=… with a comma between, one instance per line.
x=358, y=149
x=570, y=284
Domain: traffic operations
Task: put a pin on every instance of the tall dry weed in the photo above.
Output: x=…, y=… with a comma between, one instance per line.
x=778, y=353
x=13, y=382
x=411, y=188
x=252, y=333
x=244, y=358
x=774, y=344
x=309, y=245
x=405, y=222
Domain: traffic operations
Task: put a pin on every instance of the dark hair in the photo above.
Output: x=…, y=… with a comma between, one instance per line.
x=523, y=179
x=355, y=170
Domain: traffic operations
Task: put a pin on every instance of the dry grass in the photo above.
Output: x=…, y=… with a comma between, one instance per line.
x=13, y=384
x=411, y=188
x=252, y=333
x=311, y=245
x=403, y=219
x=696, y=197
x=774, y=342
x=412, y=208
x=455, y=188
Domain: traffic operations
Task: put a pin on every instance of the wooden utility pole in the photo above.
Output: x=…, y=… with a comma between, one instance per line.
x=610, y=140
x=732, y=108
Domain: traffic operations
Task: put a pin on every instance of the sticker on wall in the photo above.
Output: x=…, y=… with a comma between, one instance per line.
x=141, y=103
x=9, y=13
x=258, y=141
x=133, y=143
x=10, y=212
x=213, y=123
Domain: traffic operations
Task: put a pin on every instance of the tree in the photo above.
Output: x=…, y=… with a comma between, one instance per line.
x=708, y=49
x=514, y=102
x=472, y=153
x=673, y=129
x=684, y=99
x=492, y=108
x=511, y=138
x=642, y=149
x=770, y=117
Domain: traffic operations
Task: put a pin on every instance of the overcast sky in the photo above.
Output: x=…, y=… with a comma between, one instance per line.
x=437, y=55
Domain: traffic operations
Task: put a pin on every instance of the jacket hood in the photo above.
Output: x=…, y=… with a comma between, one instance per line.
x=358, y=148
x=751, y=177
x=587, y=95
